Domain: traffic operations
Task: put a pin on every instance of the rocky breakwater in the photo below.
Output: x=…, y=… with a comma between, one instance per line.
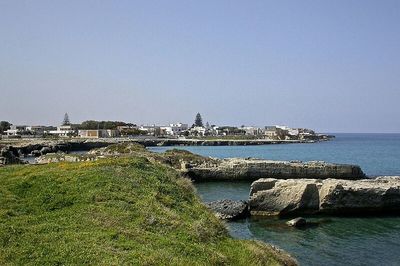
x=331, y=196
x=253, y=169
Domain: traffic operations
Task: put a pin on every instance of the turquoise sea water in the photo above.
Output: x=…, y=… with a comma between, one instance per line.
x=377, y=154
x=333, y=240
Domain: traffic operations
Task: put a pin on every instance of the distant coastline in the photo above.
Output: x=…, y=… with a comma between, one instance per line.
x=219, y=142
x=88, y=143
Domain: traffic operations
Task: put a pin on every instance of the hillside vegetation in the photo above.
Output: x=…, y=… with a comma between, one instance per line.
x=114, y=211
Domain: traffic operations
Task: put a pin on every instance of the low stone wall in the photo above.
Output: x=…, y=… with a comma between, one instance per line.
x=292, y=197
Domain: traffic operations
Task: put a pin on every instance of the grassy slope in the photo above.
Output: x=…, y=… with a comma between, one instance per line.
x=112, y=211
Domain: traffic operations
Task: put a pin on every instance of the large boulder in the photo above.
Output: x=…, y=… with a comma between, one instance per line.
x=290, y=197
x=46, y=150
x=378, y=195
x=279, y=197
x=297, y=222
x=229, y=209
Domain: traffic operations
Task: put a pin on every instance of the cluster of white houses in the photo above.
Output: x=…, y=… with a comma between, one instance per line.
x=60, y=131
x=171, y=130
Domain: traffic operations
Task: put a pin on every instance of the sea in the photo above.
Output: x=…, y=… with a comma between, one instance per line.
x=333, y=240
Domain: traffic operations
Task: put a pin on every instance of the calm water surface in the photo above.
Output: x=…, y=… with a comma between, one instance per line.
x=333, y=240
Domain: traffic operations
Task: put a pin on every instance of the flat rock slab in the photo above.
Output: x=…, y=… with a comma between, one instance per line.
x=229, y=209
x=253, y=169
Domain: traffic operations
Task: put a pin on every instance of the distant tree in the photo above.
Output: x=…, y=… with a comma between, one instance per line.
x=157, y=131
x=92, y=124
x=198, y=122
x=66, y=121
x=89, y=124
x=4, y=125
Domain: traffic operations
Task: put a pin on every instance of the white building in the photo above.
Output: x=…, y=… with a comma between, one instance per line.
x=294, y=132
x=283, y=127
x=16, y=130
x=198, y=131
x=270, y=132
x=273, y=132
x=98, y=133
x=178, y=128
x=37, y=130
x=150, y=129
x=63, y=131
x=166, y=130
x=170, y=130
x=174, y=129
x=253, y=131
x=213, y=130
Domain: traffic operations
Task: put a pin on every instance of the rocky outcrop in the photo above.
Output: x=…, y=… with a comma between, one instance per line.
x=200, y=168
x=114, y=150
x=253, y=169
x=9, y=155
x=229, y=209
x=297, y=222
x=41, y=147
x=290, y=197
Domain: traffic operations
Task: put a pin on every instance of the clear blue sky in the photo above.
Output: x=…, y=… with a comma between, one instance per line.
x=329, y=65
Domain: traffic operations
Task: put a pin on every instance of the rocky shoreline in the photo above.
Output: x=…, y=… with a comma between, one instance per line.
x=203, y=169
x=22, y=148
x=280, y=188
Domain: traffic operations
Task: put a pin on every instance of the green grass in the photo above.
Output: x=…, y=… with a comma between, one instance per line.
x=125, y=148
x=113, y=212
x=175, y=157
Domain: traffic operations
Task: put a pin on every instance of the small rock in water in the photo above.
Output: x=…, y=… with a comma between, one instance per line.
x=229, y=209
x=297, y=222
